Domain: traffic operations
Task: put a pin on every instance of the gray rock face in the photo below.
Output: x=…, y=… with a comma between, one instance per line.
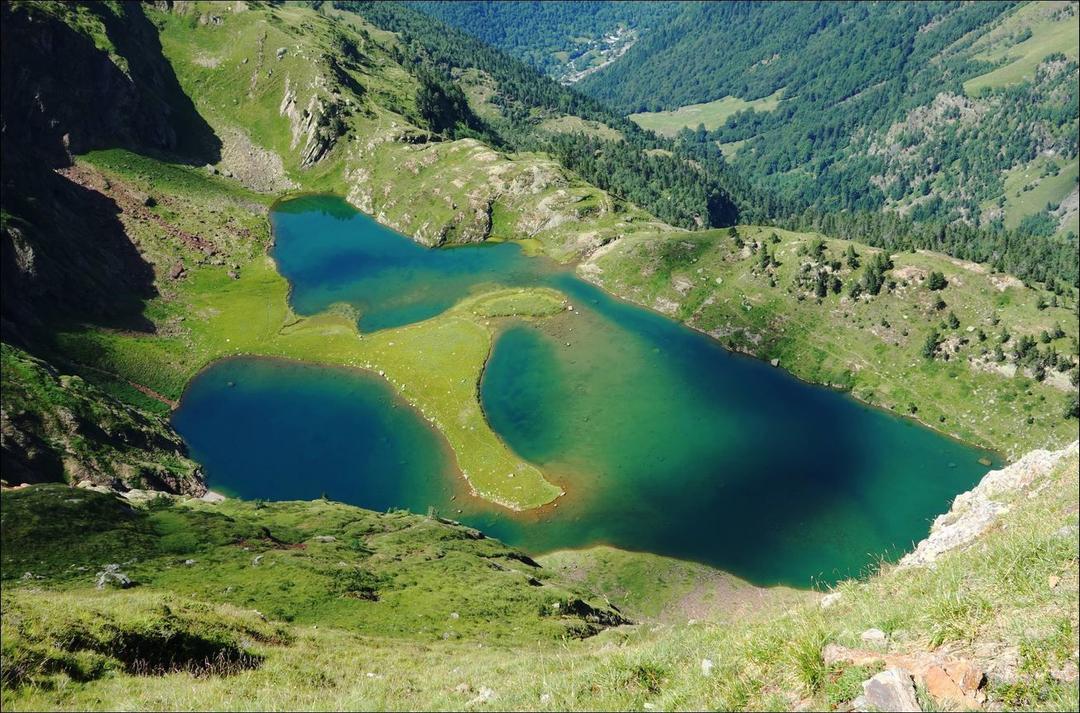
x=318, y=125
x=974, y=511
x=111, y=576
x=890, y=690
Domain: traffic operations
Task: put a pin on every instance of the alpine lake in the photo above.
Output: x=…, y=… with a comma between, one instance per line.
x=662, y=440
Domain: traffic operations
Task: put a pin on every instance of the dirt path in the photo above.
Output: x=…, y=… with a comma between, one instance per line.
x=133, y=202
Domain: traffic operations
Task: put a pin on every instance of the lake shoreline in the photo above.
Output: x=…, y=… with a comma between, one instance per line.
x=673, y=428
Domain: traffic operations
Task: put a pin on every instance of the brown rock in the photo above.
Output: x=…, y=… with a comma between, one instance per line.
x=968, y=676
x=945, y=690
x=954, y=681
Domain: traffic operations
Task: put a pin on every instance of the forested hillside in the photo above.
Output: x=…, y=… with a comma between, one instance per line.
x=749, y=50
x=932, y=109
x=562, y=39
x=520, y=109
x=950, y=116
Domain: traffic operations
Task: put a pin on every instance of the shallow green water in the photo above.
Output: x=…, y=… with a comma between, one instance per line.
x=331, y=254
x=663, y=441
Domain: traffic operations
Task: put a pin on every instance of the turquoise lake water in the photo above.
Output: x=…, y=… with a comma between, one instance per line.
x=664, y=441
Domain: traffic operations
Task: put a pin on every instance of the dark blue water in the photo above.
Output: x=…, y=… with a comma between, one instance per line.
x=278, y=430
x=663, y=441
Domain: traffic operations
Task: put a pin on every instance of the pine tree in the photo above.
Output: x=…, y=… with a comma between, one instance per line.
x=852, y=257
x=930, y=346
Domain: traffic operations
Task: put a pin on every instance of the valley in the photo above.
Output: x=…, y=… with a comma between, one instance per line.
x=382, y=306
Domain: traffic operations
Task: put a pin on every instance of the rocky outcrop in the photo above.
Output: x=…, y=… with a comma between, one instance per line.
x=111, y=576
x=462, y=183
x=1067, y=209
x=973, y=512
x=318, y=125
x=255, y=167
x=952, y=681
x=605, y=616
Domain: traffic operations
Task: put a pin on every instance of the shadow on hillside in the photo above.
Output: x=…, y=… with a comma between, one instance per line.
x=137, y=40
x=62, y=95
x=65, y=256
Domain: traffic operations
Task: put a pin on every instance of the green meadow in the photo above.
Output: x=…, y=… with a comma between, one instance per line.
x=712, y=114
x=1047, y=30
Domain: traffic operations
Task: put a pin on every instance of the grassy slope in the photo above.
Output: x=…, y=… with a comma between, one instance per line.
x=651, y=587
x=568, y=124
x=210, y=316
x=712, y=114
x=1028, y=191
x=312, y=563
x=1009, y=599
x=846, y=343
x=1051, y=32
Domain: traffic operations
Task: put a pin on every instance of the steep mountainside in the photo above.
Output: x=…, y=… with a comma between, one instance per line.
x=939, y=111
x=108, y=85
